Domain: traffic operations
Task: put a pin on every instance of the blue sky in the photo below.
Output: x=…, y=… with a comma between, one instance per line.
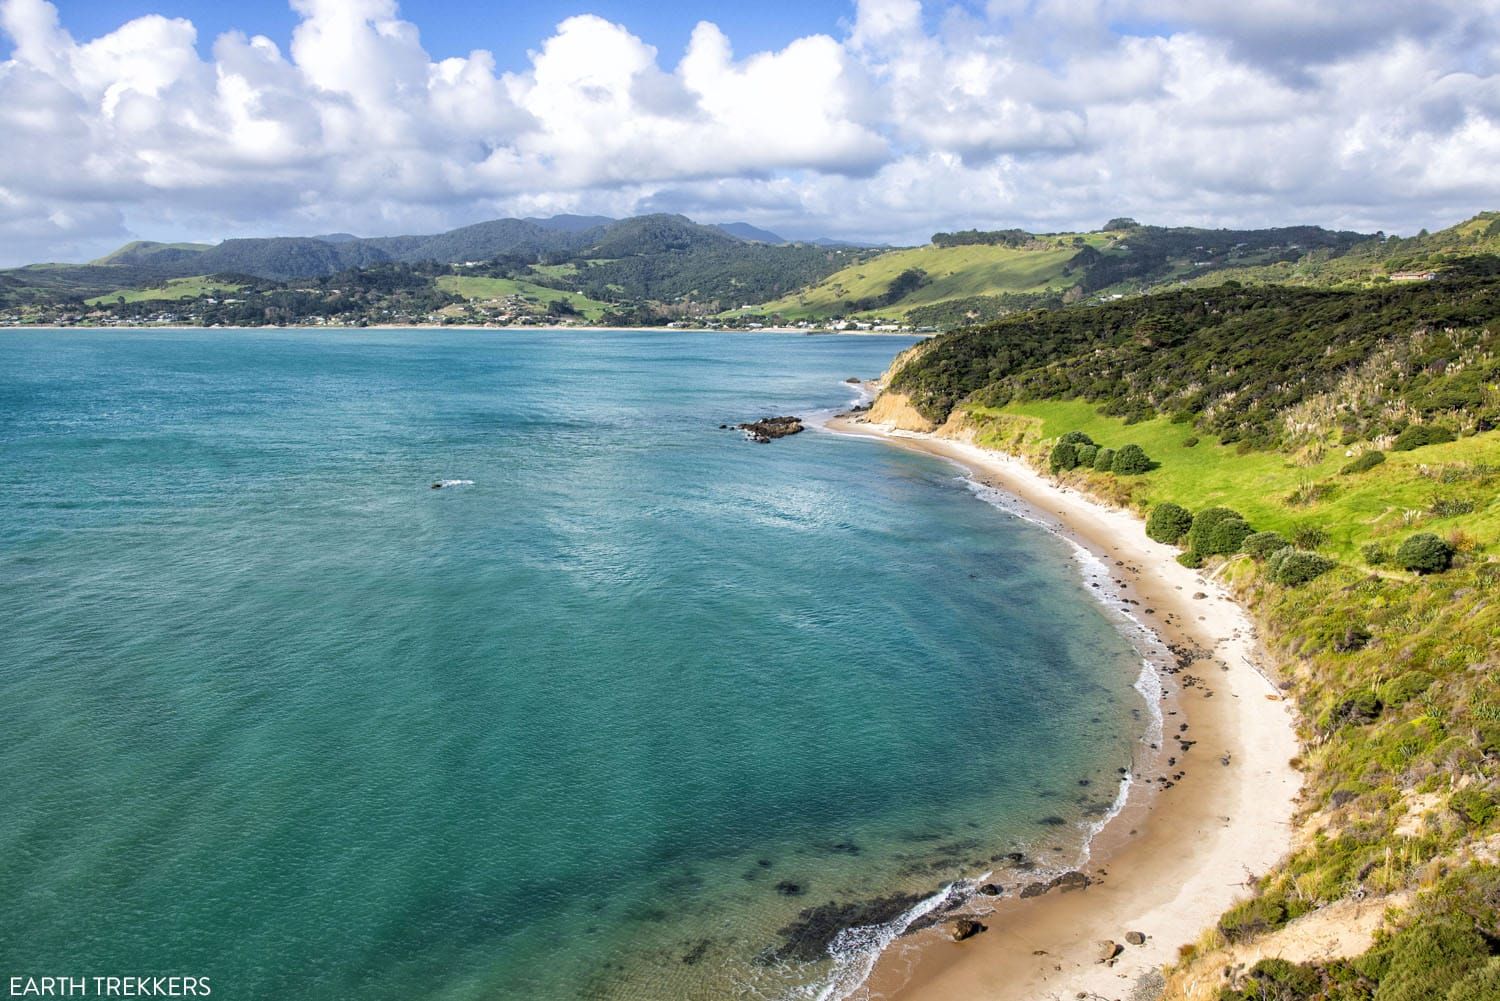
x=455, y=27
x=865, y=119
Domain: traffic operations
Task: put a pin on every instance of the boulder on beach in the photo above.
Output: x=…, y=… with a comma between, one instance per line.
x=1107, y=950
x=991, y=890
x=965, y=928
x=1135, y=938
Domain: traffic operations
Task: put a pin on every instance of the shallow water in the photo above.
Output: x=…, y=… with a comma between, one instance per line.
x=280, y=714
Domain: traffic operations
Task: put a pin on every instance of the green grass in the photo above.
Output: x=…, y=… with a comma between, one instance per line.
x=174, y=289
x=955, y=273
x=484, y=289
x=1384, y=504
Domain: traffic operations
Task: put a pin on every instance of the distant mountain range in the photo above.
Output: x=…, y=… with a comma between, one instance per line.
x=559, y=237
x=662, y=268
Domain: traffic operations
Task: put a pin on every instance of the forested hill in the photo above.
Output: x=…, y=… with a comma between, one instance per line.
x=1258, y=364
x=552, y=240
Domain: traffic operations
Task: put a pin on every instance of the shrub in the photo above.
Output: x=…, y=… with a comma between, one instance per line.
x=1475, y=805
x=1218, y=531
x=1363, y=464
x=1297, y=566
x=1482, y=984
x=1086, y=455
x=1132, y=460
x=1190, y=441
x=1417, y=435
x=1375, y=554
x=1104, y=462
x=1307, y=536
x=1360, y=708
x=1190, y=559
x=1261, y=545
x=1424, y=553
x=1353, y=638
x=1168, y=522
x=1251, y=917
x=1403, y=688
x=1423, y=961
x=1076, y=438
x=1064, y=456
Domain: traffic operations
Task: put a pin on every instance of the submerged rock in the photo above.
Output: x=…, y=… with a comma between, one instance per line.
x=787, y=888
x=808, y=937
x=767, y=428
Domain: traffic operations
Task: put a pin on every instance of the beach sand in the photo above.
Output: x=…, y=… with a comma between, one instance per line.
x=1175, y=858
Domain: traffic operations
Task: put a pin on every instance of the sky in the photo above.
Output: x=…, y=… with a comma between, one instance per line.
x=880, y=120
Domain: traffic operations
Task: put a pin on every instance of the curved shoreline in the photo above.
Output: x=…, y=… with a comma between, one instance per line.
x=1190, y=836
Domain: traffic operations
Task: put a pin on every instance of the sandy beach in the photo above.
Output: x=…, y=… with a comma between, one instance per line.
x=1201, y=822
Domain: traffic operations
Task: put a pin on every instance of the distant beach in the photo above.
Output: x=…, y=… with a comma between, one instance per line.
x=1196, y=829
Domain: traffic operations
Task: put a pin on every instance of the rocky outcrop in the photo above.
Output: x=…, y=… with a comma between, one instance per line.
x=768, y=428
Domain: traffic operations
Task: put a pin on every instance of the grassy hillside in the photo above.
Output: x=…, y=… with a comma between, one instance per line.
x=1362, y=477
x=953, y=273
x=496, y=289
x=973, y=276
x=1447, y=487
x=172, y=289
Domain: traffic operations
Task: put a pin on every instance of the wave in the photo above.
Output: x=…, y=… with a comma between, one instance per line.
x=444, y=484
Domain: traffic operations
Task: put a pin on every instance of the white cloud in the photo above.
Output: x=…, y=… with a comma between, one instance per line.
x=1369, y=113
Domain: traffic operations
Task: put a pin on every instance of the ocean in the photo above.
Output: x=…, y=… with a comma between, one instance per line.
x=631, y=708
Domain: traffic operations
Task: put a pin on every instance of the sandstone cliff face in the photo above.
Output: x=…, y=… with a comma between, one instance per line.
x=895, y=408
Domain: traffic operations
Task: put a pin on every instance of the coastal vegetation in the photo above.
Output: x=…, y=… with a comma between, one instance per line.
x=1331, y=454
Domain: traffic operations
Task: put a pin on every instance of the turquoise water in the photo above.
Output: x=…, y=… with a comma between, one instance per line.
x=279, y=714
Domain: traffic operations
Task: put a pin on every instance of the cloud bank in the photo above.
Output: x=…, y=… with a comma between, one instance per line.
x=1038, y=113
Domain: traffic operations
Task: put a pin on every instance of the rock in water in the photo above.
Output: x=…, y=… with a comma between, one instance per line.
x=991, y=890
x=767, y=428
x=966, y=928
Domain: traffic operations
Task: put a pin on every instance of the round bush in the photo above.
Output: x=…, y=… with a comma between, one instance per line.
x=1076, y=438
x=1190, y=559
x=1190, y=441
x=1403, y=688
x=1294, y=566
x=1375, y=554
x=1131, y=460
x=1417, y=435
x=1064, y=456
x=1218, y=531
x=1262, y=545
x=1087, y=453
x=1104, y=462
x=1168, y=522
x=1364, y=463
x=1424, y=553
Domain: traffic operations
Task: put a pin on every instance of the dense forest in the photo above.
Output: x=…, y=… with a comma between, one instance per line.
x=1242, y=363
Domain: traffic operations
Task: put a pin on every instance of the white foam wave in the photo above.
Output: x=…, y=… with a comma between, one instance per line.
x=855, y=950
x=444, y=484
